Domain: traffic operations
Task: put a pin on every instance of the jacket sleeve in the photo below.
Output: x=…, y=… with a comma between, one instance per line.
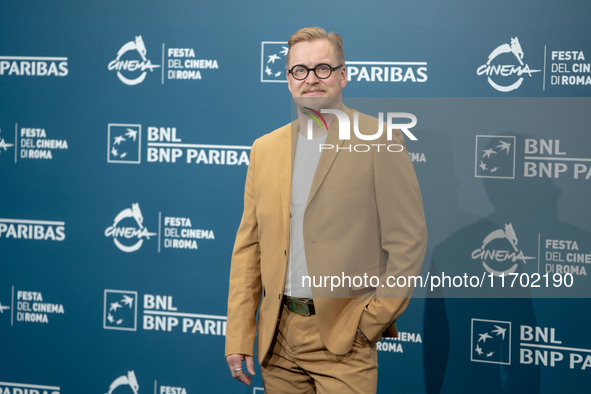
x=245, y=277
x=403, y=236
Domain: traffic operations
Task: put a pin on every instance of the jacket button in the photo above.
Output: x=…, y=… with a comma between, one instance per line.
x=285, y=252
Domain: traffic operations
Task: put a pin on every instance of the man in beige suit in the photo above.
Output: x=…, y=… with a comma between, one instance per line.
x=315, y=209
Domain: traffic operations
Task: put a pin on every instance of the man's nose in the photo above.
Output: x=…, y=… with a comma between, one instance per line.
x=312, y=78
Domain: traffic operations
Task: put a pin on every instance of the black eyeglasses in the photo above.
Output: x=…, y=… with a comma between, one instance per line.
x=322, y=71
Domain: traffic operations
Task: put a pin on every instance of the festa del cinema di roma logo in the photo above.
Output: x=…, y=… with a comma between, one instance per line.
x=128, y=380
x=506, y=77
x=131, y=70
x=3, y=144
x=127, y=227
x=499, y=250
x=128, y=383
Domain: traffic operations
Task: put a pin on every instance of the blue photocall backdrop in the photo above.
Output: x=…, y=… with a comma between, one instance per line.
x=125, y=132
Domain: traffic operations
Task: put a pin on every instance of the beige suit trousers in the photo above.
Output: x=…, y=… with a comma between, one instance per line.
x=298, y=361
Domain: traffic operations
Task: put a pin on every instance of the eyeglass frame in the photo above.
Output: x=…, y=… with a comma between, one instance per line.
x=290, y=71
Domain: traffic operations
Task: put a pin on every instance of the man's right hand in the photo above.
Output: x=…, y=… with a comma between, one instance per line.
x=235, y=364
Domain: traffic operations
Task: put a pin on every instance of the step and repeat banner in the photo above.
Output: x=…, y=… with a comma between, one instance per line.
x=125, y=134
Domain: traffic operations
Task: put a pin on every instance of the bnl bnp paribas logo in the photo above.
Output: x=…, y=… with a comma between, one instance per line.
x=537, y=346
x=158, y=313
x=33, y=66
x=490, y=341
x=274, y=56
x=120, y=310
x=505, y=68
x=494, y=156
x=165, y=145
x=27, y=388
x=273, y=59
x=125, y=141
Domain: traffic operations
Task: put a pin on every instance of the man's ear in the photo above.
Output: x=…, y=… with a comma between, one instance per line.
x=343, y=71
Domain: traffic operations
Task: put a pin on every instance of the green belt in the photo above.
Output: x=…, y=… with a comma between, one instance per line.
x=301, y=306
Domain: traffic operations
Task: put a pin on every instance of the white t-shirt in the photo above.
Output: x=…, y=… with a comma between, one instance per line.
x=307, y=155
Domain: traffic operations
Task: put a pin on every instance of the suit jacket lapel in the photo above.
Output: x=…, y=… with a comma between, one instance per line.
x=326, y=158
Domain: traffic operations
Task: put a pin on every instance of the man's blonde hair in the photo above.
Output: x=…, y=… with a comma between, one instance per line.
x=318, y=33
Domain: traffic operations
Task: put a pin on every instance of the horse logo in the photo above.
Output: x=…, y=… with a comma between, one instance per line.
x=125, y=380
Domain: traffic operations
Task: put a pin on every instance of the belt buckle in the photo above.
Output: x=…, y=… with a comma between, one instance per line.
x=299, y=307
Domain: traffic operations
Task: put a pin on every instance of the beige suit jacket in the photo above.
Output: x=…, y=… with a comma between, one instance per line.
x=364, y=216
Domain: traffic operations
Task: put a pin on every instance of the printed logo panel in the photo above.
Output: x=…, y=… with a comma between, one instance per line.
x=273, y=58
x=491, y=341
x=495, y=157
x=120, y=310
x=505, y=68
x=125, y=141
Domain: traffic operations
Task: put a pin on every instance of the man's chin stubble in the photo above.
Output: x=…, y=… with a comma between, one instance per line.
x=316, y=103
